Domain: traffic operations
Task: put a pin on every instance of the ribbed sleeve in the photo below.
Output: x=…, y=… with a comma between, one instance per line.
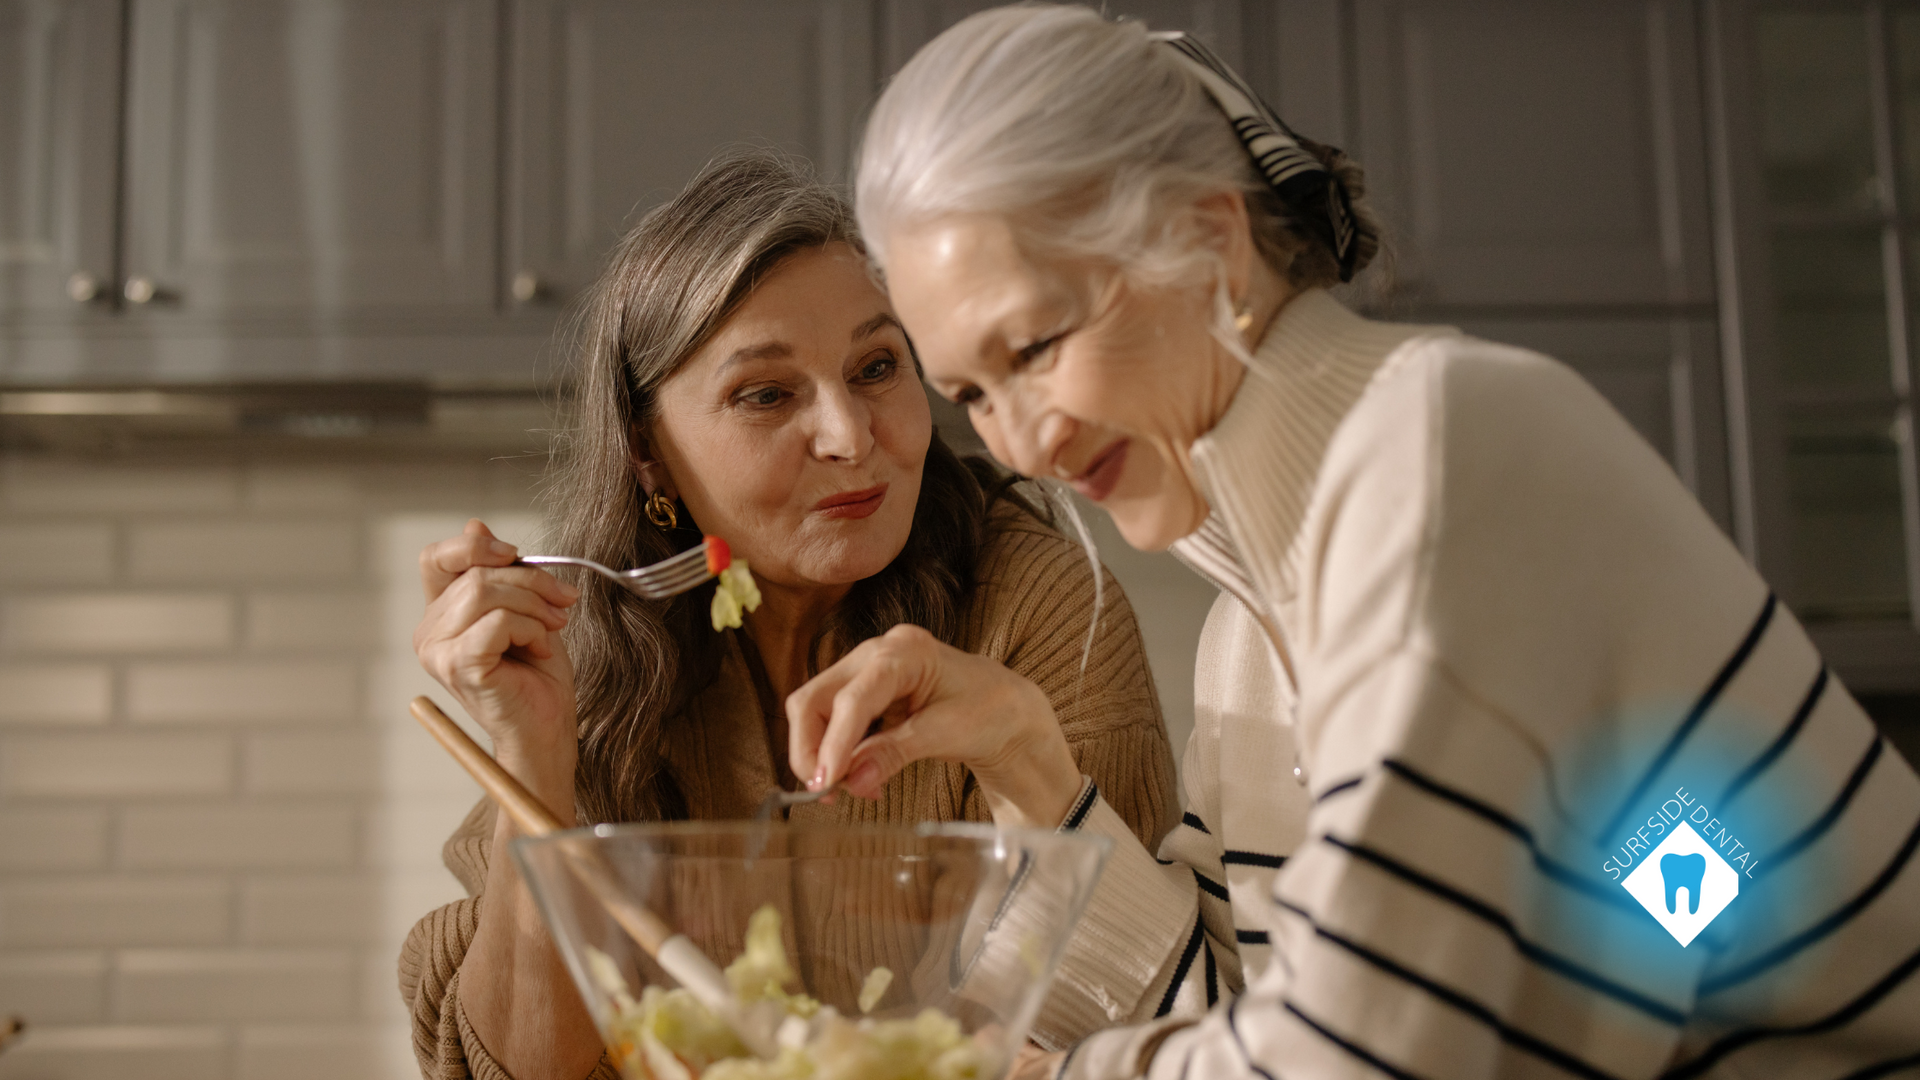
x=1033, y=611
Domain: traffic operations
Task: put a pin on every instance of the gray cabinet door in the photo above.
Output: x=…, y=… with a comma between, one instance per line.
x=615, y=104
x=1537, y=152
x=312, y=157
x=1227, y=26
x=59, y=135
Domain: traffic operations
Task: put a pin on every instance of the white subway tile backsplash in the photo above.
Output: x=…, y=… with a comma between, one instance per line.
x=54, y=987
x=52, y=912
x=117, y=623
x=243, y=691
x=56, y=553
x=320, y=1052
x=53, y=487
x=314, y=622
x=243, y=551
x=217, y=821
x=239, y=835
x=311, y=909
x=117, y=763
x=407, y=832
x=55, y=693
x=233, y=984
x=53, y=838
x=311, y=763
x=169, y=1052
x=302, y=490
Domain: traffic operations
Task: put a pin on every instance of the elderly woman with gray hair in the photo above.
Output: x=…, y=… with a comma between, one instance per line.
x=738, y=373
x=1506, y=762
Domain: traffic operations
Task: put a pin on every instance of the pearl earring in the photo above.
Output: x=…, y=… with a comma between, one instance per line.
x=1243, y=319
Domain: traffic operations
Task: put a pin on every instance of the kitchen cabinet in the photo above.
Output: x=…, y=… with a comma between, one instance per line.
x=413, y=190
x=1572, y=215
x=1227, y=26
x=1538, y=153
x=310, y=157
x=615, y=104
x=59, y=153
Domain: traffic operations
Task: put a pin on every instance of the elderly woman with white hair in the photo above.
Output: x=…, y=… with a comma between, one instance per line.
x=1506, y=763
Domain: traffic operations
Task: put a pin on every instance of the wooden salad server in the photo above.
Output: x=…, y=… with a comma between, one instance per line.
x=676, y=953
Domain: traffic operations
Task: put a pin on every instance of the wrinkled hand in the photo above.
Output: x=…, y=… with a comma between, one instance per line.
x=491, y=636
x=933, y=701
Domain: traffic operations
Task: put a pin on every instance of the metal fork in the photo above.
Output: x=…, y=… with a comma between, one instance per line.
x=666, y=578
x=782, y=800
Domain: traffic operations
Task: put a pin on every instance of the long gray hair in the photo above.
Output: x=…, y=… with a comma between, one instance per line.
x=669, y=285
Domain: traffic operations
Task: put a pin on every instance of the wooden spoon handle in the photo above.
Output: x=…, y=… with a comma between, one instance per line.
x=535, y=819
x=527, y=812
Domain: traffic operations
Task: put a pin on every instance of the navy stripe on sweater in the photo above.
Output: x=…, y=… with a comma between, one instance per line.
x=1842, y=915
x=1210, y=887
x=1780, y=743
x=1825, y=821
x=1195, y=941
x=1553, y=870
x=1883, y=1068
x=1350, y=1047
x=1508, y=1034
x=1700, y=707
x=1846, y=1014
x=1579, y=973
x=1345, y=785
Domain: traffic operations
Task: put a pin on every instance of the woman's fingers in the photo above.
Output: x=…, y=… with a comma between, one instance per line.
x=530, y=592
x=476, y=653
x=808, y=710
x=936, y=702
x=443, y=562
x=890, y=675
x=876, y=758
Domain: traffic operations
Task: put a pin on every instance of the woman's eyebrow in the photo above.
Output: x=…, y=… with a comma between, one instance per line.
x=766, y=350
x=874, y=325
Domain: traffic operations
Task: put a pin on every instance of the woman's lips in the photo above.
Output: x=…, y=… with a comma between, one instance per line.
x=853, y=504
x=1103, y=473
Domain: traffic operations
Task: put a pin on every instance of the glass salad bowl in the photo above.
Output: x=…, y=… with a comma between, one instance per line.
x=885, y=953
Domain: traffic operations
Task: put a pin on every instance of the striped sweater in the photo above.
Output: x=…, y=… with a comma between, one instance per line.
x=1545, y=717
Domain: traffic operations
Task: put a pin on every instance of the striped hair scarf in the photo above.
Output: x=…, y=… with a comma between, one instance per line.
x=1318, y=199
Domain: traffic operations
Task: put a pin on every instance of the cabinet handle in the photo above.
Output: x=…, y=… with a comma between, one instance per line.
x=84, y=288
x=527, y=287
x=141, y=289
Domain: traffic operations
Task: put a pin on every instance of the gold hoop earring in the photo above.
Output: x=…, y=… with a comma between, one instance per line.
x=660, y=511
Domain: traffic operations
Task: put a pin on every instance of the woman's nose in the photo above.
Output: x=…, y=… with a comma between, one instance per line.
x=844, y=428
x=1051, y=433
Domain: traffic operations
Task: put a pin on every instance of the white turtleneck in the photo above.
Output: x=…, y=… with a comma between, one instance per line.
x=1502, y=637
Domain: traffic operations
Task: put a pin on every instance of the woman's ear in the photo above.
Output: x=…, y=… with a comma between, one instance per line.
x=650, y=471
x=1224, y=225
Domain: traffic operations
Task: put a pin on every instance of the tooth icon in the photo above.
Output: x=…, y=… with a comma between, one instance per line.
x=1683, y=861
x=1678, y=871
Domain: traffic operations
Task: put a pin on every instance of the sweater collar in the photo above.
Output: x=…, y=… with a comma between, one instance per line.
x=1257, y=467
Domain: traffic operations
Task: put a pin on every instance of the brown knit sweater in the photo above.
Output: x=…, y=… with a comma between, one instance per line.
x=1030, y=611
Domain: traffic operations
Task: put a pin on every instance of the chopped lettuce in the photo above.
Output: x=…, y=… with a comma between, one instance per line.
x=762, y=972
x=736, y=593
x=670, y=1035
x=874, y=989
